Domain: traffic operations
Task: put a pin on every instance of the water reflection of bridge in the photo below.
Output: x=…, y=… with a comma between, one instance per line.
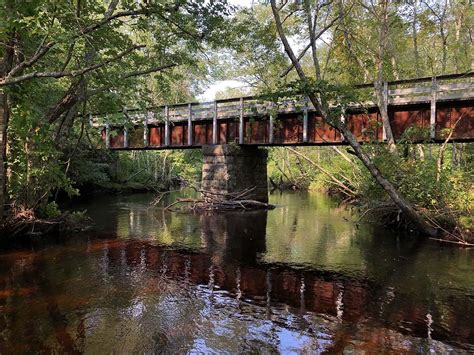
x=348, y=300
x=230, y=260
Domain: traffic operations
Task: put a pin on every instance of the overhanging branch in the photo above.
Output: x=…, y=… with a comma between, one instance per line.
x=45, y=48
x=129, y=75
x=60, y=74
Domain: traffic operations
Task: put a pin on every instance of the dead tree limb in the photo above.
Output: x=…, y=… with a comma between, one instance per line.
x=325, y=172
x=214, y=201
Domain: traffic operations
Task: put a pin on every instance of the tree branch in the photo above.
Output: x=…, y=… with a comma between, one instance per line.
x=69, y=56
x=73, y=73
x=43, y=49
x=129, y=75
x=110, y=10
x=148, y=71
x=439, y=162
x=303, y=52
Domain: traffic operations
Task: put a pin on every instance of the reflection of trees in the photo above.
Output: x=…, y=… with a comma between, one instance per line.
x=432, y=278
x=318, y=235
x=138, y=221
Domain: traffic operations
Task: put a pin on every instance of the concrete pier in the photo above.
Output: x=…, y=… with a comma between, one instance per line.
x=229, y=168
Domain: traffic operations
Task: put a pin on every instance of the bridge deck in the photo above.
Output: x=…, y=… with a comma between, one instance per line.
x=432, y=104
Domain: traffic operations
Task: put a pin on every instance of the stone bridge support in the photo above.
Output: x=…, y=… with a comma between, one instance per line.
x=230, y=168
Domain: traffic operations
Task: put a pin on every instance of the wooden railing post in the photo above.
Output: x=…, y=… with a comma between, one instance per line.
x=125, y=136
x=145, y=131
x=271, y=135
x=214, y=124
x=241, y=121
x=190, y=124
x=305, y=120
x=167, y=125
x=107, y=135
x=433, y=108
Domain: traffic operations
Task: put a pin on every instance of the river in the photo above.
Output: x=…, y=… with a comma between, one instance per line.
x=301, y=278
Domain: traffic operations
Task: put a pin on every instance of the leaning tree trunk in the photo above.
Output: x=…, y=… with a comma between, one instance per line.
x=396, y=197
x=414, y=35
x=322, y=106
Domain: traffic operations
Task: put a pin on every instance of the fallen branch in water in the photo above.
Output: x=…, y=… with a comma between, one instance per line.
x=445, y=220
x=203, y=205
x=212, y=201
x=160, y=196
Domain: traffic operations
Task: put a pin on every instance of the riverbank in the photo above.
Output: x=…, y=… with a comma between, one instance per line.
x=60, y=217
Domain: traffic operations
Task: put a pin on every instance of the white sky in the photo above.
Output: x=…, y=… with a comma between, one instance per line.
x=220, y=85
x=246, y=3
x=210, y=93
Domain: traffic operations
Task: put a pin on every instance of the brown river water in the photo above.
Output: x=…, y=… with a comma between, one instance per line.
x=302, y=278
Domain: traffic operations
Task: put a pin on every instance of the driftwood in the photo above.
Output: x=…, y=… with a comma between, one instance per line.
x=213, y=201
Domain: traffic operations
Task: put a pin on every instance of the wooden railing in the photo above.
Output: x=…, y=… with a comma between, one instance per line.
x=402, y=92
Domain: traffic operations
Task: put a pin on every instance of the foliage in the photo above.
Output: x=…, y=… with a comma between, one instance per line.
x=60, y=60
x=449, y=201
x=52, y=210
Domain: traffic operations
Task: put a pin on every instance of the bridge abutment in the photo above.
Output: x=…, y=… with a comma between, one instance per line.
x=230, y=168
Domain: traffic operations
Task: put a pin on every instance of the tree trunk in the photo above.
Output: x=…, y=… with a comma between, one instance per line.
x=415, y=40
x=312, y=39
x=380, y=89
x=6, y=64
x=380, y=94
x=395, y=196
x=4, y=113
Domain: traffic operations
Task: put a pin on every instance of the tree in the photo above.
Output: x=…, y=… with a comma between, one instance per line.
x=63, y=58
x=319, y=99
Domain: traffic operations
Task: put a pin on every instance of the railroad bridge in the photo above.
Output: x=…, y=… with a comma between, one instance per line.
x=230, y=131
